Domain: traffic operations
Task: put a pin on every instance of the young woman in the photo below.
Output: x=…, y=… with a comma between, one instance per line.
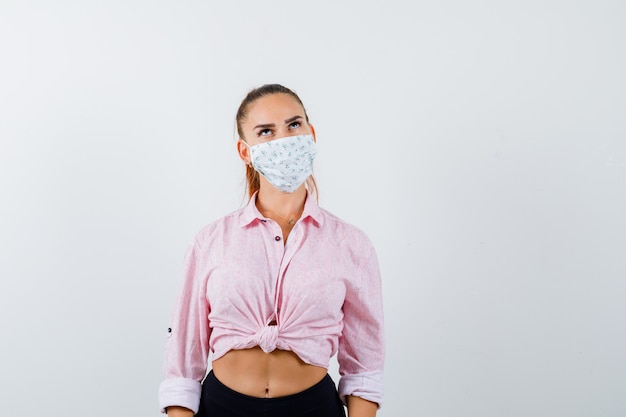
x=275, y=289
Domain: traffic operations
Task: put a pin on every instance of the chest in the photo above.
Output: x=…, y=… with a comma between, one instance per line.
x=266, y=284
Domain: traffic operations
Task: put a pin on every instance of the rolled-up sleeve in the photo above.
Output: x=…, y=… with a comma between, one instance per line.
x=361, y=350
x=187, y=347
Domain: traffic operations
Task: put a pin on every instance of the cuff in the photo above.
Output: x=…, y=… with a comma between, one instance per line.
x=367, y=385
x=182, y=392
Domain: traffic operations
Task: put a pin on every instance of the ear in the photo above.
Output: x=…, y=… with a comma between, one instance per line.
x=243, y=151
x=313, y=133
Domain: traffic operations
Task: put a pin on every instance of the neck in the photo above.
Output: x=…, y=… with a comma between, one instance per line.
x=272, y=202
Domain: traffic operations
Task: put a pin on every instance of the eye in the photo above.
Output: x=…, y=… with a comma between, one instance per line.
x=294, y=125
x=264, y=132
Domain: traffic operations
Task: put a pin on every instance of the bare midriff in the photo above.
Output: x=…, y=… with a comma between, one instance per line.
x=266, y=375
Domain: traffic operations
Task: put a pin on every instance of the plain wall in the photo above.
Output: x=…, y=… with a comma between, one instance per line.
x=481, y=145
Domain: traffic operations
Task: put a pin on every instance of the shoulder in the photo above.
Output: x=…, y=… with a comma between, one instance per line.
x=218, y=230
x=344, y=231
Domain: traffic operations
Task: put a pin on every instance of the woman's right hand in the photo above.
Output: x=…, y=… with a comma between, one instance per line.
x=176, y=411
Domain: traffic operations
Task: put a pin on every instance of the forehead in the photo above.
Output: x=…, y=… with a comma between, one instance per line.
x=273, y=108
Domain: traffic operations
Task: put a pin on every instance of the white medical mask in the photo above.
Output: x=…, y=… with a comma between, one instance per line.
x=286, y=162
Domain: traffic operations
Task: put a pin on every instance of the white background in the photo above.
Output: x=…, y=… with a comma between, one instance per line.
x=480, y=144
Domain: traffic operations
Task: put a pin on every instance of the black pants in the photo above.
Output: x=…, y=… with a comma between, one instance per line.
x=321, y=400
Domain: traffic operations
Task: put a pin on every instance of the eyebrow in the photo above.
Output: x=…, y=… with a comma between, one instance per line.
x=292, y=119
x=287, y=121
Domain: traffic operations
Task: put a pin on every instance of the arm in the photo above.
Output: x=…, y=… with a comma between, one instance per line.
x=187, y=348
x=176, y=411
x=358, y=407
x=361, y=350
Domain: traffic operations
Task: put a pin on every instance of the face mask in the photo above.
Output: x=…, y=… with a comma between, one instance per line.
x=286, y=162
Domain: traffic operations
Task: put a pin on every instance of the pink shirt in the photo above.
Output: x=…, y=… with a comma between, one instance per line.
x=322, y=288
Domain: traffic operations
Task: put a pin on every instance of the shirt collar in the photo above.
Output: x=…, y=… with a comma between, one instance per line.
x=251, y=213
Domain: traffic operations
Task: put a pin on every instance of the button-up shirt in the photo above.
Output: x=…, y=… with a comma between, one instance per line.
x=317, y=295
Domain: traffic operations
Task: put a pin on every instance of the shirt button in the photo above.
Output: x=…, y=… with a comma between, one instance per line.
x=277, y=238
